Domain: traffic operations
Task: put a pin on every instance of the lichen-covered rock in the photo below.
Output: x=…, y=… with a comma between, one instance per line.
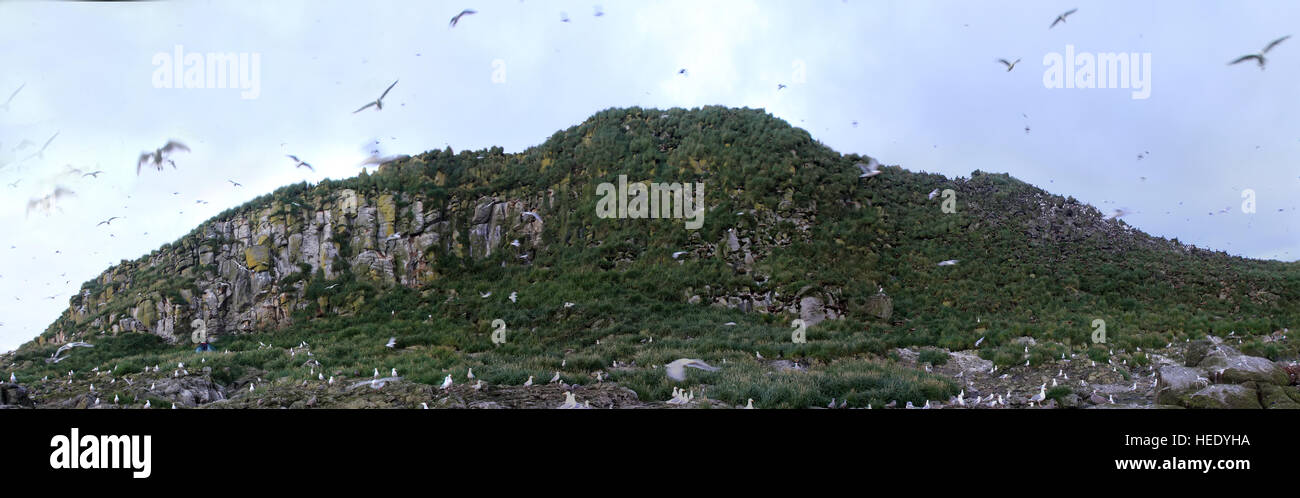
x=1234, y=396
x=1231, y=367
x=1279, y=397
x=1175, y=381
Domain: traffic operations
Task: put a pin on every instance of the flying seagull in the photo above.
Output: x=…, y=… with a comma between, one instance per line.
x=949, y=262
x=1010, y=65
x=299, y=162
x=157, y=157
x=95, y=174
x=933, y=193
x=41, y=153
x=379, y=103
x=392, y=341
x=48, y=202
x=235, y=183
x=109, y=221
x=1259, y=58
x=465, y=12
x=5, y=106
x=869, y=169
x=530, y=213
x=677, y=369
x=678, y=254
x=1118, y=213
x=1061, y=18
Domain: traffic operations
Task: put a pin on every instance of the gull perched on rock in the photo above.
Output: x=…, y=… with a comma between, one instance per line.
x=556, y=378
x=750, y=405
x=570, y=402
x=676, y=370
x=446, y=382
x=528, y=382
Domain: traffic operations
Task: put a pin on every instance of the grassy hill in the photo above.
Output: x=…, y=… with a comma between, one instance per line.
x=790, y=231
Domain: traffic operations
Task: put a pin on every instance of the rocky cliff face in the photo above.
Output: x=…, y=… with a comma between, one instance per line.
x=249, y=272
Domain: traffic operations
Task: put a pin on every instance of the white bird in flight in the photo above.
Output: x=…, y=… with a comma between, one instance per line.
x=933, y=193
x=378, y=103
x=869, y=169
x=1061, y=18
x=949, y=262
x=1259, y=58
x=1010, y=65
x=5, y=105
x=299, y=163
x=530, y=213
x=392, y=342
x=676, y=370
x=1117, y=214
x=462, y=13
x=513, y=296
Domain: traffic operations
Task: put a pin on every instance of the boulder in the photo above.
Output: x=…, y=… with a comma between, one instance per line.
x=1230, y=367
x=1279, y=397
x=1221, y=396
x=1175, y=381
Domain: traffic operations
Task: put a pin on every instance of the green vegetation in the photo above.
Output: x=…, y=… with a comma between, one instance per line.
x=1031, y=264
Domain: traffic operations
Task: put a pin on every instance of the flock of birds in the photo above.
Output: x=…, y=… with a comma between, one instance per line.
x=164, y=155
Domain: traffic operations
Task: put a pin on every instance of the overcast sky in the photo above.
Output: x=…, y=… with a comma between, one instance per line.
x=919, y=77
